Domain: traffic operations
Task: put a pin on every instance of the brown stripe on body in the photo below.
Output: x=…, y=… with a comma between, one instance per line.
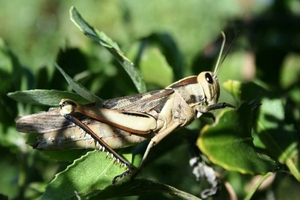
x=184, y=82
x=189, y=89
x=139, y=102
x=121, y=101
x=194, y=99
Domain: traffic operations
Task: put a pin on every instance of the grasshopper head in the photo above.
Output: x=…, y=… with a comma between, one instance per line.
x=67, y=106
x=210, y=86
x=209, y=80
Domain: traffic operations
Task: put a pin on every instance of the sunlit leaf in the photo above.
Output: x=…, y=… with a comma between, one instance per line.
x=81, y=90
x=88, y=173
x=153, y=61
x=106, y=42
x=228, y=142
x=277, y=137
x=66, y=155
x=93, y=174
x=246, y=91
x=234, y=88
x=290, y=71
x=44, y=97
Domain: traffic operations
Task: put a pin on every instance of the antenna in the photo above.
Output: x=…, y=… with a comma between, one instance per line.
x=221, y=51
x=220, y=54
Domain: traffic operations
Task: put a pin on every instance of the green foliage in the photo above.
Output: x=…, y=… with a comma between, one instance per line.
x=42, y=62
x=232, y=134
x=81, y=179
x=111, y=46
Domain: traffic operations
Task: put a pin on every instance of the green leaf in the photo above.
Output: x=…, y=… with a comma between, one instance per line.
x=257, y=185
x=106, y=42
x=153, y=61
x=91, y=172
x=44, y=97
x=139, y=187
x=228, y=142
x=277, y=137
x=234, y=88
x=290, y=71
x=12, y=139
x=246, y=91
x=64, y=155
x=81, y=90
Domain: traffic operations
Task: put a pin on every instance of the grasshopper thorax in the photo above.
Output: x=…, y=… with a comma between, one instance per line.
x=208, y=81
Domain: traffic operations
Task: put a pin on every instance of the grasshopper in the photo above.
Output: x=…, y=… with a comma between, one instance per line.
x=120, y=122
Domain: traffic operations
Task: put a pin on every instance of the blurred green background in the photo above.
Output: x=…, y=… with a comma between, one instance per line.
x=182, y=38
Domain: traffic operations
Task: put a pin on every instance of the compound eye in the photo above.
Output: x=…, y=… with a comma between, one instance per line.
x=208, y=78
